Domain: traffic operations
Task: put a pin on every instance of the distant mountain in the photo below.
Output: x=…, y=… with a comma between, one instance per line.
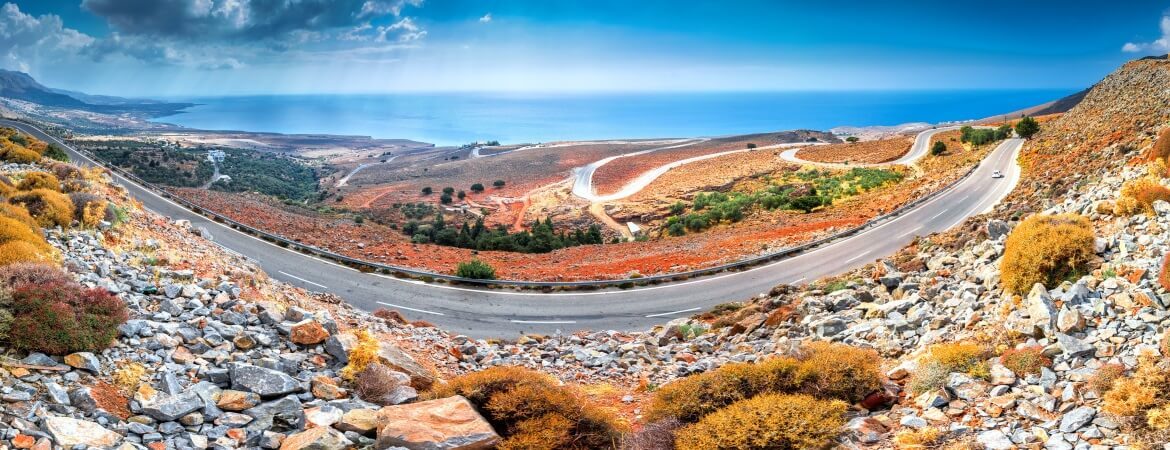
x=1063, y=104
x=21, y=86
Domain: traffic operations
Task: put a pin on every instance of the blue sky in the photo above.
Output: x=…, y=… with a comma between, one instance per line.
x=217, y=47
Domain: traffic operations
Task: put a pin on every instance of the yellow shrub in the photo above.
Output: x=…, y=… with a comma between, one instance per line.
x=128, y=376
x=839, y=371
x=1046, y=249
x=1132, y=396
x=12, y=230
x=361, y=355
x=1158, y=168
x=820, y=369
x=21, y=252
x=771, y=421
x=1138, y=196
x=39, y=180
x=1141, y=402
x=19, y=214
x=50, y=208
x=941, y=360
x=16, y=154
x=93, y=213
x=929, y=437
x=526, y=407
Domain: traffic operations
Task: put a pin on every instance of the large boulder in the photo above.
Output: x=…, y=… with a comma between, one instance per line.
x=448, y=423
x=264, y=382
x=339, y=346
x=308, y=332
x=68, y=432
x=319, y=438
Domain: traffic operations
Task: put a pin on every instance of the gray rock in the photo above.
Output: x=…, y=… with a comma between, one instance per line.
x=995, y=440
x=262, y=381
x=1076, y=419
x=166, y=408
x=1072, y=346
x=997, y=228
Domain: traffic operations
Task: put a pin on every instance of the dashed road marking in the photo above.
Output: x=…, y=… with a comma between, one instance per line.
x=322, y=286
x=855, y=258
x=673, y=312
x=910, y=232
x=411, y=309
x=546, y=322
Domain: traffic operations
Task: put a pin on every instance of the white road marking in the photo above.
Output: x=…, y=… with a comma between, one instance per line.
x=798, y=280
x=939, y=214
x=855, y=258
x=411, y=309
x=910, y=232
x=322, y=286
x=547, y=322
x=673, y=312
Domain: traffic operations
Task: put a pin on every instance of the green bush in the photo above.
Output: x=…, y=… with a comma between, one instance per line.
x=1027, y=127
x=477, y=187
x=475, y=269
x=498, y=184
x=766, y=422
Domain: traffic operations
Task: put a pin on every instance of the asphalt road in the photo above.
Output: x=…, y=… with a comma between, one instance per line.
x=502, y=313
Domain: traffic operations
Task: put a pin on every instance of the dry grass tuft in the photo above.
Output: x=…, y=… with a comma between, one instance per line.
x=1025, y=361
x=941, y=360
x=361, y=355
x=1138, y=196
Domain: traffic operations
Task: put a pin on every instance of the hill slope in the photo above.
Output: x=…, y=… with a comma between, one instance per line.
x=21, y=86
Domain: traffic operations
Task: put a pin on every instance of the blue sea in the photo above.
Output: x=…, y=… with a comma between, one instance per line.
x=457, y=118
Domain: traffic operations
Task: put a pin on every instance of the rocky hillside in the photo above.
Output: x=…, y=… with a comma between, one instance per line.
x=1114, y=120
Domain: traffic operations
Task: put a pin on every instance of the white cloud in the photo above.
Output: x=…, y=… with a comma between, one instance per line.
x=383, y=7
x=406, y=30
x=486, y=18
x=1161, y=45
x=24, y=39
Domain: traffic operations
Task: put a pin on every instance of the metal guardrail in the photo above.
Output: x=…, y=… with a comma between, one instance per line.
x=593, y=284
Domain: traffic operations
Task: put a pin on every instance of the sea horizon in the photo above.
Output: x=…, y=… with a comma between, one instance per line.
x=531, y=117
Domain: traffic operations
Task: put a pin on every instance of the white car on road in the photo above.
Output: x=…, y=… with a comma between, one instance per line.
x=996, y=174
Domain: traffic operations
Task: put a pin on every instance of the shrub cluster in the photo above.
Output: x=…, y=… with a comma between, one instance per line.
x=541, y=237
x=1138, y=196
x=941, y=360
x=769, y=421
x=88, y=209
x=20, y=242
x=19, y=148
x=532, y=410
x=49, y=208
x=1141, y=401
x=1046, y=249
x=980, y=136
x=377, y=384
x=39, y=180
x=55, y=315
x=823, y=370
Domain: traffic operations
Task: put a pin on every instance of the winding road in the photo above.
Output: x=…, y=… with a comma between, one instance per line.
x=917, y=151
x=503, y=313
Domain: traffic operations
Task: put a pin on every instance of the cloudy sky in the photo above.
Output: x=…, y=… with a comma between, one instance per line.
x=220, y=47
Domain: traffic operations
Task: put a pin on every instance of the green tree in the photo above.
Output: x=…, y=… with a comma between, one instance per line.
x=449, y=190
x=427, y=190
x=498, y=184
x=852, y=139
x=751, y=145
x=462, y=195
x=1027, y=127
x=477, y=188
x=938, y=148
x=445, y=198
x=476, y=270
